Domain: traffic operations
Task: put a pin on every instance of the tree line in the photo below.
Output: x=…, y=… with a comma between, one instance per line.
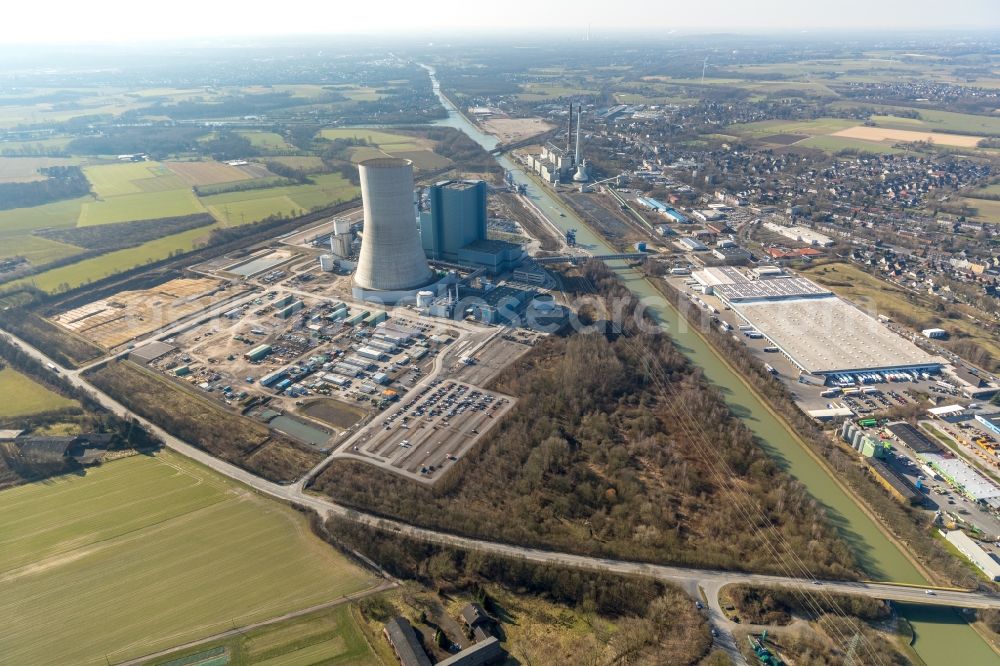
x=61, y=182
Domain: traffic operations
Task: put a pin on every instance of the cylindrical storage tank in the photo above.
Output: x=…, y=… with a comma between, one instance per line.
x=391, y=257
x=341, y=225
x=425, y=298
x=327, y=263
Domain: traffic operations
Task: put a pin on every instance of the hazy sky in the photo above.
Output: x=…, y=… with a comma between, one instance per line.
x=132, y=20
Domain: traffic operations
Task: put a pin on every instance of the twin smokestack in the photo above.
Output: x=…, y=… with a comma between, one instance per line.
x=569, y=133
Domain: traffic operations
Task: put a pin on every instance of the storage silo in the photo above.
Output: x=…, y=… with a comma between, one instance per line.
x=341, y=238
x=391, y=257
x=327, y=263
x=425, y=298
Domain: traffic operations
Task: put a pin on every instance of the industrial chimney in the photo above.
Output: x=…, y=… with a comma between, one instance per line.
x=569, y=129
x=391, y=257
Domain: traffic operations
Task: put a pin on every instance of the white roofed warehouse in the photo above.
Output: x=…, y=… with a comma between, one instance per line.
x=819, y=332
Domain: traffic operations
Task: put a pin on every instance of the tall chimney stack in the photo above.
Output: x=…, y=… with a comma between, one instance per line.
x=569, y=129
x=576, y=157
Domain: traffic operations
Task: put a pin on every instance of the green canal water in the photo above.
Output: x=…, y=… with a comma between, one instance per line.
x=943, y=637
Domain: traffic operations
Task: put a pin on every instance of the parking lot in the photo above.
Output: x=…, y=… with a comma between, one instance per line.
x=431, y=430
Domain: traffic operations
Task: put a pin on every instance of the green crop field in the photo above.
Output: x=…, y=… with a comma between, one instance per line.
x=268, y=141
x=542, y=91
x=234, y=208
x=820, y=126
x=39, y=251
x=112, y=180
x=142, y=206
x=23, y=396
x=136, y=191
x=424, y=159
x=833, y=144
x=986, y=209
x=993, y=189
x=60, y=214
x=145, y=553
x=96, y=268
x=25, y=169
x=230, y=209
x=385, y=140
x=305, y=162
x=932, y=119
x=331, y=637
x=34, y=147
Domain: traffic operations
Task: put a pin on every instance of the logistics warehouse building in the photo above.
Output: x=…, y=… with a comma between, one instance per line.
x=819, y=332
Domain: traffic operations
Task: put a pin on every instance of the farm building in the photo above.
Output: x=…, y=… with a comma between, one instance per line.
x=403, y=639
x=484, y=652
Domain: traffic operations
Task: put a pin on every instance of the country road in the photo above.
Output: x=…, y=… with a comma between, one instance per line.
x=688, y=578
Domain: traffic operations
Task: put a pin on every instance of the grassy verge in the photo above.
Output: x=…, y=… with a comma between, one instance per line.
x=23, y=396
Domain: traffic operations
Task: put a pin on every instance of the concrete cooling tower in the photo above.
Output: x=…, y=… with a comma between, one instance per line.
x=391, y=257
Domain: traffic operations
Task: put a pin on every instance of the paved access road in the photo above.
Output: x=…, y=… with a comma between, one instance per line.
x=686, y=577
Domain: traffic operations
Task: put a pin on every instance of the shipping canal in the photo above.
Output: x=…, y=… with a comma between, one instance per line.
x=943, y=637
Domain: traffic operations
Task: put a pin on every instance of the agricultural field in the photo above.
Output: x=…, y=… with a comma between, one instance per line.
x=835, y=143
x=887, y=134
x=420, y=151
x=267, y=141
x=96, y=268
x=23, y=396
x=386, y=141
x=334, y=637
x=207, y=172
x=933, y=119
x=117, y=577
x=34, y=146
x=38, y=251
x=302, y=162
x=136, y=191
x=234, y=208
x=987, y=210
x=18, y=221
x=818, y=127
x=25, y=169
x=835, y=134
x=143, y=206
x=535, y=92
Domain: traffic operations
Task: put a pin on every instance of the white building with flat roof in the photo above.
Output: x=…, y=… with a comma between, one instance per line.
x=974, y=552
x=800, y=234
x=830, y=336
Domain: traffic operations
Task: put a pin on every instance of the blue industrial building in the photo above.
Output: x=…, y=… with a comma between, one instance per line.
x=455, y=217
x=991, y=421
x=453, y=227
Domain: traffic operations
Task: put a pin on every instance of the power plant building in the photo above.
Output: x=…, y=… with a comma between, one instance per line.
x=391, y=263
x=456, y=217
x=562, y=165
x=453, y=227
